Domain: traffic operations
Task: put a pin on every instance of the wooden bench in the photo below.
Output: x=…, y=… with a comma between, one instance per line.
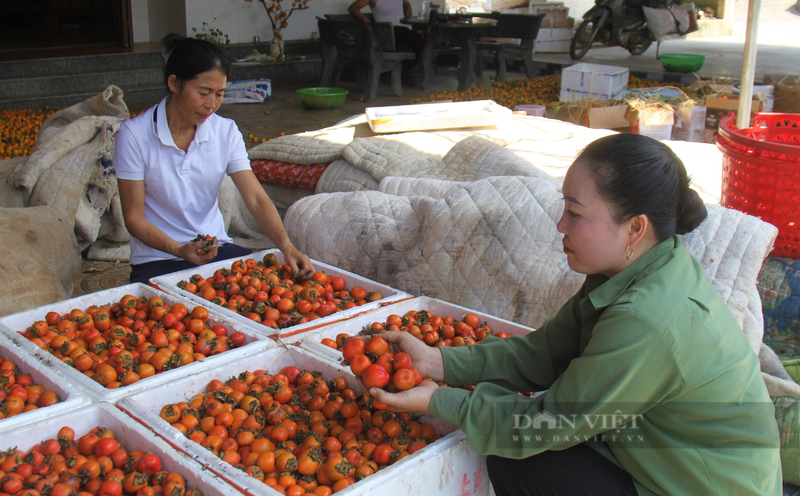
x=368, y=46
x=525, y=27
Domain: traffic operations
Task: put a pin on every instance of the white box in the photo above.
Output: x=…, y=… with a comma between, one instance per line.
x=660, y=132
x=593, y=81
x=70, y=398
x=128, y=432
x=11, y=325
x=429, y=116
x=446, y=464
x=656, y=124
x=690, y=123
x=169, y=283
x=311, y=341
x=553, y=40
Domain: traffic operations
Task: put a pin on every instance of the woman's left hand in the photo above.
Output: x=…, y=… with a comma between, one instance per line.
x=416, y=399
x=300, y=264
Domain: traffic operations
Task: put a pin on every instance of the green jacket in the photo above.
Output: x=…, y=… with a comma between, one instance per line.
x=649, y=367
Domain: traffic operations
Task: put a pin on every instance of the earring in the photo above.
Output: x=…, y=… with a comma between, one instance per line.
x=628, y=253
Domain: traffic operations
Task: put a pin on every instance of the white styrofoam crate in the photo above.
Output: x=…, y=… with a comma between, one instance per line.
x=169, y=283
x=11, y=325
x=445, y=464
x=430, y=116
x=130, y=434
x=553, y=40
x=70, y=398
x=311, y=341
x=586, y=81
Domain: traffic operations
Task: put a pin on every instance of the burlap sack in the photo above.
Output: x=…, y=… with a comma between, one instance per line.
x=39, y=257
x=68, y=129
x=11, y=197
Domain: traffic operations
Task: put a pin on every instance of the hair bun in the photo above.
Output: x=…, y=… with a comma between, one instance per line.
x=691, y=212
x=169, y=42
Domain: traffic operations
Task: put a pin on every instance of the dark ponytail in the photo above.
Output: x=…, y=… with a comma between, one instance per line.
x=639, y=175
x=187, y=58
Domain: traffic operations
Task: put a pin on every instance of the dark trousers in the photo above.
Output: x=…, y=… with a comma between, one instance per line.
x=575, y=471
x=146, y=271
x=406, y=39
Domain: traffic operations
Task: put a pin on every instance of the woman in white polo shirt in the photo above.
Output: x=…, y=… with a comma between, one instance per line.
x=170, y=162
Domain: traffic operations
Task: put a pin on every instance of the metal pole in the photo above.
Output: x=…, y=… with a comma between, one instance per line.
x=748, y=64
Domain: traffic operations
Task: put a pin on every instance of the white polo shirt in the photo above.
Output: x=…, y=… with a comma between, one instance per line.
x=180, y=188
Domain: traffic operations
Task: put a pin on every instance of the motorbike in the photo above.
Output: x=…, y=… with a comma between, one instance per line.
x=616, y=23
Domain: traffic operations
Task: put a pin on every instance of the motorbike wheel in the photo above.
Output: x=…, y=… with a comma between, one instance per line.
x=639, y=45
x=584, y=38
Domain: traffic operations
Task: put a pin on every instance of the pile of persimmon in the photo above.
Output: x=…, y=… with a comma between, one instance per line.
x=432, y=329
x=18, y=392
x=378, y=366
x=266, y=292
x=121, y=343
x=95, y=464
x=296, y=432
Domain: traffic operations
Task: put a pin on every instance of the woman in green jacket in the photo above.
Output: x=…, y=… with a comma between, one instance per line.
x=649, y=384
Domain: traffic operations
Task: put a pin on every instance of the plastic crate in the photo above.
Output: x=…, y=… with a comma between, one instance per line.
x=169, y=283
x=312, y=340
x=70, y=398
x=761, y=173
x=593, y=81
x=448, y=465
x=12, y=324
x=128, y=432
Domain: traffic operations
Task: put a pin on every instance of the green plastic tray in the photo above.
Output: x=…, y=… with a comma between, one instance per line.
x=322, y=98
x=682, y=62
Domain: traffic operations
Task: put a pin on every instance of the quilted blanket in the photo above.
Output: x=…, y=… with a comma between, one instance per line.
x=361, y=160
x=492, y=245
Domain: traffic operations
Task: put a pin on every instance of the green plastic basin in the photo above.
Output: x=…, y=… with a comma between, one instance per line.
x=322, y=98
x=682, y=62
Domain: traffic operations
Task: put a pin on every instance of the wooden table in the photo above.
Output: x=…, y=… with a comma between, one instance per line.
x=460, y=33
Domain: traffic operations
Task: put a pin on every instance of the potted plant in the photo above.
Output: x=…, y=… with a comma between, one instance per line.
x=279, y=18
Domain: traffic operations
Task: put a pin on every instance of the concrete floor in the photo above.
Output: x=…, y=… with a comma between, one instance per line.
x=778, y=46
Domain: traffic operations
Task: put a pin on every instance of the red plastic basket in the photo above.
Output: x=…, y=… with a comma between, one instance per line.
x=761, y=173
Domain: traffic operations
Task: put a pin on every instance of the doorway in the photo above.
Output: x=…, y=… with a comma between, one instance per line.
x=31, y=29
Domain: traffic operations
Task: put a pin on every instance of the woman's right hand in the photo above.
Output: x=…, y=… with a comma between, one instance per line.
x=426, y=359
x=191, y=252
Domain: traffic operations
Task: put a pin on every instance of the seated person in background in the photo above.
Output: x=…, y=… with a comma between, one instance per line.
x=405, y=39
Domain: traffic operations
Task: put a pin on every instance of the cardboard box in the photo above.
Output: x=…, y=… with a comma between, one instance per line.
x=656, y=123
x=606, y=114
x=690, y=123
x=720, y=106
x=555, y=16
x=553, y=40
x=558, y=22
x=590, y=81
x=786, y=93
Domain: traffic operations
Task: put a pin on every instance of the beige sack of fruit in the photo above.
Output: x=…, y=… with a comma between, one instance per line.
x=39, y=257
x=71, y=167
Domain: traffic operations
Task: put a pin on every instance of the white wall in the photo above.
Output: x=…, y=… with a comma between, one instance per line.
x=578, y=7
x=141, y=21
x=166, y=17
x=241, y=20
